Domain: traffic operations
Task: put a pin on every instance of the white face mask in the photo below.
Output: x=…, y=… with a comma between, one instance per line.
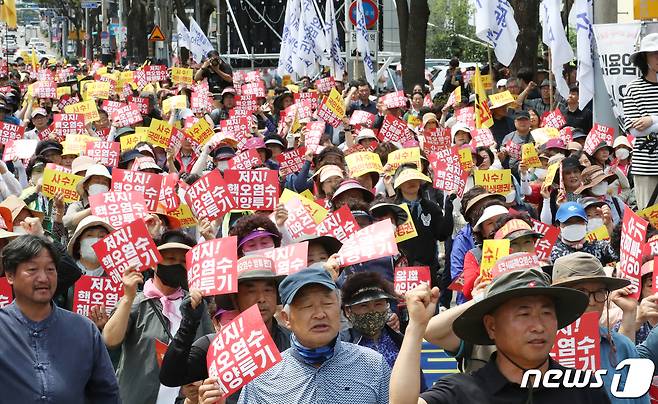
x=594, y=223
x=600, y=189
x=622, y=154
x=540, y=173
x=222, y=165
x=86, y=251
x=574, y=232
x=95, y=189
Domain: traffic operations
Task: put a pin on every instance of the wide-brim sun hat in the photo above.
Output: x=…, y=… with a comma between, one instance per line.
x=490, y=212
x=593, y=176
x=86, y=223
x=350, y=184
x=579, y=267
x=410, y=174
x=92, y=170
x=252, y=268
x=471, y=204
x=648, y=44
x=569, y=303
x=380, y=209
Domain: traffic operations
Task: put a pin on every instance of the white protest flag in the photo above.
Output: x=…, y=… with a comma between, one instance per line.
x=311, y=46
x=362, y=44
x=495, y=24
x=555, y=38
x=183, y=34
x=290, y=28
x=336, y=63
x=199, y=43
x=580, y=18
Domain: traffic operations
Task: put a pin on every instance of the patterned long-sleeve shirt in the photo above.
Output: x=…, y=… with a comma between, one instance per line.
x=601, y=249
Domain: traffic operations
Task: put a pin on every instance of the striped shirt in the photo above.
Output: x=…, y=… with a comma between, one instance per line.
x=641, y=100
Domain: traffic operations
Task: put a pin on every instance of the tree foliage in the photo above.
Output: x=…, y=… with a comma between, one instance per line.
x=449, y=18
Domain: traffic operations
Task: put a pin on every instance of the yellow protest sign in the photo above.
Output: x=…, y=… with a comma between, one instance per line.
x=286, y=80
x=543, y=135
x=86, y=108
x=486, y=82
x=500, y=99
x=406, y=230
x=159, y=133
x=66, y=90
x=495, y=181
x=178, y=102
x=529, y=156
x=101, y=70
x=99, y=90
x=336, y=104
x=645, y=9
x=651, y=214
x=403, y=156
x=200, y=132
x=293, y=88
x=184, y=215
x=550, y=174
x=181, y=75
x=308, y=195
x=54, y=180
x=492, y=251
x=466, y=158
x=361, y=163
x=600, y=233
x=128, y=142
x=125, y=78
x=317, y=211
x=76, y=143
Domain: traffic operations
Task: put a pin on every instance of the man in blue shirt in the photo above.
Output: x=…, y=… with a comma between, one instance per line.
x=318, y=367
x=6, y=113
x=48, y=354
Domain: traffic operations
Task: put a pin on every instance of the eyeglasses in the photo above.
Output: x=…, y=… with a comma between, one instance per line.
x=600, y=296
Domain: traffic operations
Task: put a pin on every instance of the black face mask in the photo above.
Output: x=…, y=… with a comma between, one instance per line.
x=174, y=276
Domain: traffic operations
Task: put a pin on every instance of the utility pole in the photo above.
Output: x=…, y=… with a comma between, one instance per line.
x=605, y=12
x=218, y=5
x=104, y=35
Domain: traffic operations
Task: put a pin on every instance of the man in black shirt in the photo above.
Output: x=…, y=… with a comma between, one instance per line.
x=218, y=73
x=521, y=314
x=576, y=117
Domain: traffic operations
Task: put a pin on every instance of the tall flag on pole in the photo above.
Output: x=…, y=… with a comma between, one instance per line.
x=183, y=34
x=555, y=38
x=495, y=24
x=290, y=29
x=336, y=63
x=362, y=44
x=199, y=43
x=483, y=117
x=580, y=18
x=311, y=42
x=8, y=13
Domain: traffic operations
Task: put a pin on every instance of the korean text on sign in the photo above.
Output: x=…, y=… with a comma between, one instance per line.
x=212, y=266
x=633, y=234
x=289, y=259
x=578, y=344
x=209, y=196
x=407, y=278
x=147, y=183
x=300, y=221
x=495, y=181
x=291, y=161
x=93, y=291
x=54, y=180
x=241, y=351
x=118, y=208
x=130, y=245
x=544, y=245
x=253, y=189
x=339, y=224
x=374, y=241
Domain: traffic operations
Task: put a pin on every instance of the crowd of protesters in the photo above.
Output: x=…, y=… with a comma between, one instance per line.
x=346, y=332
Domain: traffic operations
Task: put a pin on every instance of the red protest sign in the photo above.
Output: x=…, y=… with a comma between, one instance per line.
x=19, y=148
x=362, y=118
x=247, y=103
x=599, y=133
x=209, y=196
x=449, y=176
x=514, y=262
x=466, y=115
x=253, y=189
x=93, y=291
x=168, y=195
x=314, y=133
x=633, y=234
x=324, y=85
x=6, y=296
x=128, y=246
x=241, y=351
x=300, y=221
x=146, y=183
x=127, y=115
x=118, y=208
x=339, y=224
x=212, y=266
x=554, y=119
x=245, y=160
x=9, y=131
x=160, y=351
x=291, y=161
x=45, y=89
x=374, y=241
x=408, y=278
x=105, y=153
x=483, y=137
x=141, y=102
x=436, y=140
x=69, y=124
x=156, y=72
x=394, y=130
x=309, y=98
x=111, y=106
x=578, y=345
x=256, y=88
x=651, y=246
x=566, y=134
x=544, y=245
x=200, y=103
x=289, y=259
x=237, y=127
x=393, y=100
x=654, y=283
